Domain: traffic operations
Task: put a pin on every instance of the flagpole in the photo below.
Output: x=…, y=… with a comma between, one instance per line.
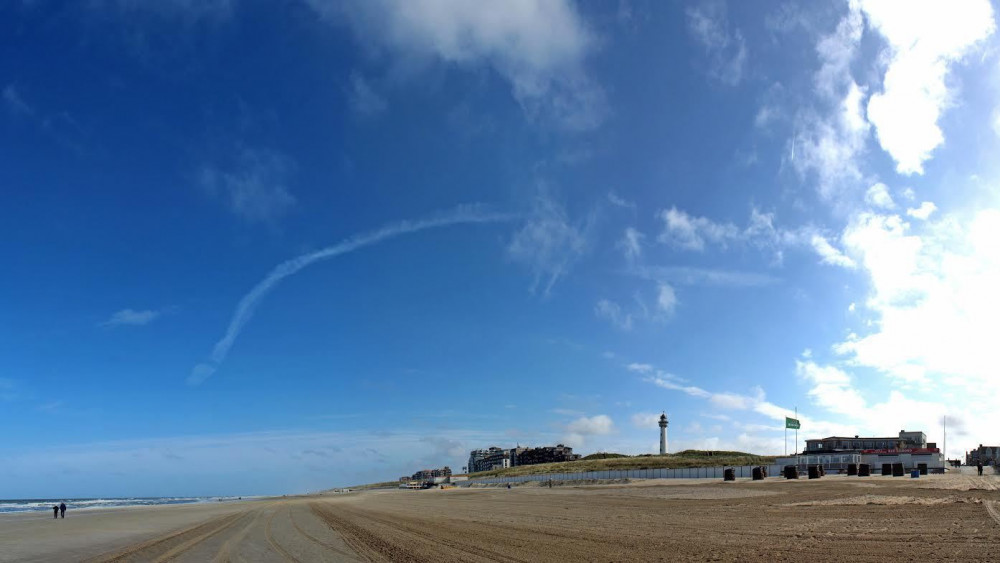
x=796, y=431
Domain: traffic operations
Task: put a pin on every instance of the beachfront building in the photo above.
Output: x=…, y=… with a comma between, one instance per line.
x=988, y=455
x=426, y=475
x=545, y=454
x=499, y=458
x=489, y=459
x=836, y=444
x=910, y=448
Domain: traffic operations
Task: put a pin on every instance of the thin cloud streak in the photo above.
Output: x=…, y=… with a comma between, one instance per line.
x=131, y=317
x=682, y=275
x=469, y=214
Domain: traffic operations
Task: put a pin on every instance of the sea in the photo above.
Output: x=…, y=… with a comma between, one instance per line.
x=40, y=504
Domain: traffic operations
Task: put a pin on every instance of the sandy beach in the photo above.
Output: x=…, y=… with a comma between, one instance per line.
x=835, y=518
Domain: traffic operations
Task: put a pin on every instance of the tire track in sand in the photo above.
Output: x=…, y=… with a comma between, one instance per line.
x=992, y=510
x=412, y=535
x=185, y=546
x=270, y=539
x=366, y=544
x=225, y=552
x=318, y=541
x=416, y=531
x=146, y=551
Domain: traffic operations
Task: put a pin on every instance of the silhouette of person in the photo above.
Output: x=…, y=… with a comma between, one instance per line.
x=62, y=509
x=979, y=466
x=55, y=511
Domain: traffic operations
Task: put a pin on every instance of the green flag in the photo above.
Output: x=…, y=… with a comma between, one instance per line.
x=792, y=423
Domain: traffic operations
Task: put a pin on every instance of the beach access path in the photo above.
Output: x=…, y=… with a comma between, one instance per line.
x=938, y=517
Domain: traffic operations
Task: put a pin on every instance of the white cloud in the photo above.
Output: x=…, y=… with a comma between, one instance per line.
x=828, y=142
x=831, y=388
x=727, y=51
x=836, y=52
x=547, y=243
x=130, y=317
x=878, y=196
x=829, y=254
x=934, y=296
x=667, y=381
x=538, y=46
x=363, y=99
x=924, y=39
x=691, y=233
x=613, y=313
x=631, y=244
x=773, y=107
x=599, y=425
x=731, y=401
x=619, y=201
x=923, y=212
x=688, y=232
x=255, y=186
x=666, y=299
x=646, y=420
x=640, y=368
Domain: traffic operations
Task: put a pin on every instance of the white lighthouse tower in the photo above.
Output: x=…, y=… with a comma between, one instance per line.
x=663, y=433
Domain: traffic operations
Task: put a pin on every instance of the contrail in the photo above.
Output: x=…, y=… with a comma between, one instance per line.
x=244, y=311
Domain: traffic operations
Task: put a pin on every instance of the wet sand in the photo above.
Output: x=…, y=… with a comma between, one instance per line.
x=833, y=518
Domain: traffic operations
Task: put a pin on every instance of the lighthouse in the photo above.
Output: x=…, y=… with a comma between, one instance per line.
x=663, y=433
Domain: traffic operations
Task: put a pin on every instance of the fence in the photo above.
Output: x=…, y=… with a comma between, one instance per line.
x=683, y=473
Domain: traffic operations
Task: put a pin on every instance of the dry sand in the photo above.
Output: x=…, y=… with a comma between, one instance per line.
x=834, y=518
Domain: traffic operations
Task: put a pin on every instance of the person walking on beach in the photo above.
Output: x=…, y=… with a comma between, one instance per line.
x=62, y=509
x=979, y=466
x=55, y=511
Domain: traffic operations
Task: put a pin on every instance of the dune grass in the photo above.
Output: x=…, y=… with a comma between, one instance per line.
x=609, y=461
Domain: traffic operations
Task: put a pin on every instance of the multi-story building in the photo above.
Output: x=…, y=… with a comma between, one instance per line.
x=499, y=458
x=988, y=455
x=515, y=455
x=546, y=454
x=837, y=444
x=489, y=459
x=427, y=474
x=837, y=452
x=443, y=472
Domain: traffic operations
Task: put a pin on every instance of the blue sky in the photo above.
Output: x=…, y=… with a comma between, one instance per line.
x=255, y=249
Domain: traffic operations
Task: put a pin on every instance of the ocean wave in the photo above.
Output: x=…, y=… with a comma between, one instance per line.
x=32, y=505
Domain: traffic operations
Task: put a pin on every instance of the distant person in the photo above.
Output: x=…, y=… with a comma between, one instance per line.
x=62, y=509
x=55, y=511
x=979, y=466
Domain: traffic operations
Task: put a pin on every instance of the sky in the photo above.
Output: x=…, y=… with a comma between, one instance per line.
x=275, y=247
